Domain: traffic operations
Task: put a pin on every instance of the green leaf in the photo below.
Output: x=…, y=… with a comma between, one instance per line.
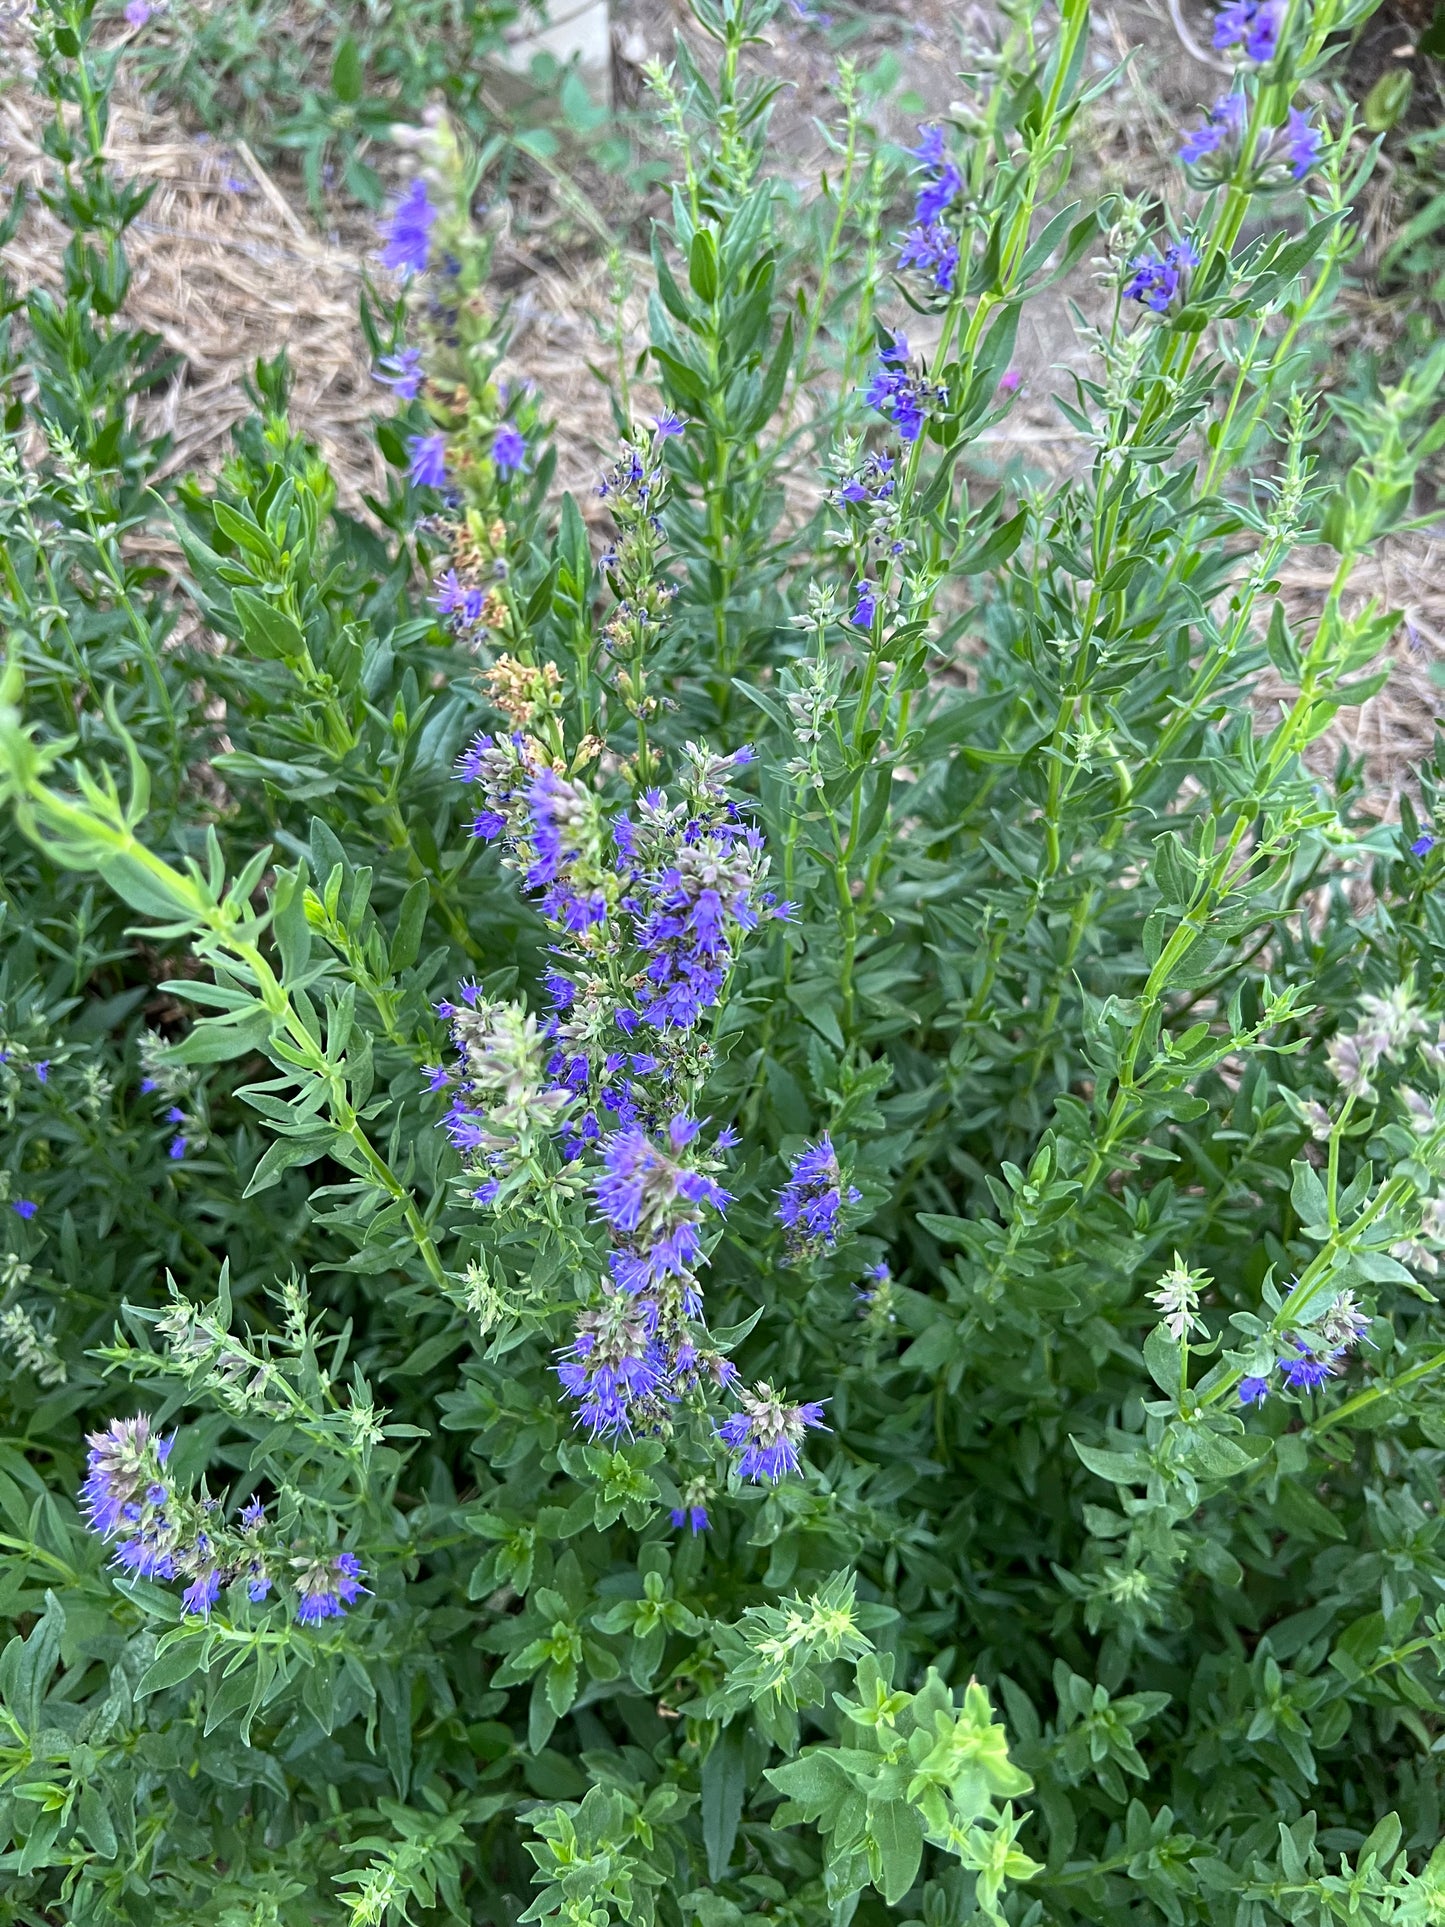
x=173, y=1664
x=346, y=72
x=702, y=266
x=269, y=631
x=897, y=1831
x=724, y=1782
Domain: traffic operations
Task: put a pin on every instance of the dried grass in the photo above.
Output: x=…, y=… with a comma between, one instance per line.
x=227, y=268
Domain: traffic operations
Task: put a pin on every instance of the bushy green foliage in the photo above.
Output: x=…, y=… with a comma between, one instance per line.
x=1109, y=1586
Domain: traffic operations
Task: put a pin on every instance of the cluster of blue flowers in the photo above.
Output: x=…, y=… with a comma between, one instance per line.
x=1287, y=153
x=811, y=1202
x=648, y=907
x=767, y=1434
x=1160, y=282
x=1213, y=152
x=902, y=391
x=930, y=246
x=1314, y=1356
x=873, y=481
x=160, y=1533
x=1250, y=26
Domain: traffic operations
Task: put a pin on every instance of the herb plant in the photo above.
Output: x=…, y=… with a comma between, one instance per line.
x=745, y=1225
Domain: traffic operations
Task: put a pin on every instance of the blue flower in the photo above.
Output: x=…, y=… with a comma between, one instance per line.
x=767, y=1435
x=932, y=249
x=253, y=1515
x=202, y=1593
x=177, y=1147
x=401, y=373
x=118, y=1465
x=1423, y=844
x=326, y=1587
x=407, y=233
x=428, y=460
x=1226, y=122
x=810, y=1202
x=905, y=397
x=1253, y=1391
x=24, y=1208
x=667, y=425
x=929, y=152
x=123, y=1497
x=1158, y=280
x=614, y=1367
x=694, y=1517
x=1309, y=1368
x=455, y=598
x=1251, y=24
x=943, y=181
x=866, y=606
x=509, y=451
x=42, y=1070
x=1302, y=144
x=654, y=1202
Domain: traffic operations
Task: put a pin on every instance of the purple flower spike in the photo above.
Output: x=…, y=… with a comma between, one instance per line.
x=810, y=1202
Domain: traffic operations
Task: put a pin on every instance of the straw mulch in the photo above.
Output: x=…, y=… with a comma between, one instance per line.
x=227, y=269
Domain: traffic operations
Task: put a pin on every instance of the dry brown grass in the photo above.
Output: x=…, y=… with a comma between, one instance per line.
x=228, y=267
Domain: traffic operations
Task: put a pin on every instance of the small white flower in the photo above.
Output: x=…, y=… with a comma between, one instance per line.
x=1177, y=1297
